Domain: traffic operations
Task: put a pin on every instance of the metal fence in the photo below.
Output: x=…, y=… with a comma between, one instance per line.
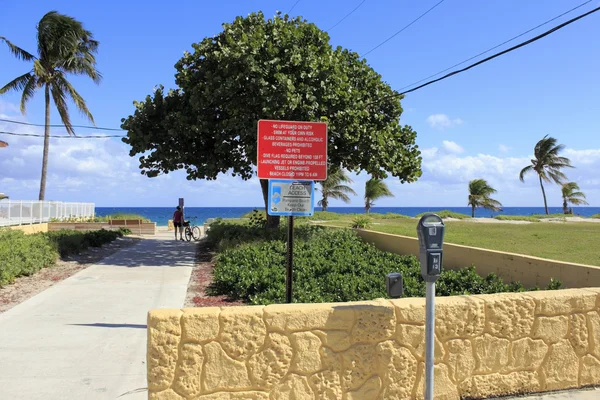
x=21, y=212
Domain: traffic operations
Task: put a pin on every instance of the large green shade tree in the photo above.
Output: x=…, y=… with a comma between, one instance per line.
x=278, y=68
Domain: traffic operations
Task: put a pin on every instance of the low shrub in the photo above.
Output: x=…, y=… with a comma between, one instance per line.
x=597, y=216
x=22, y=255
x=361, y=222
x=516, y=218
x=332, y=265
x=546, y=216
x=446, y=214
x=104, y=218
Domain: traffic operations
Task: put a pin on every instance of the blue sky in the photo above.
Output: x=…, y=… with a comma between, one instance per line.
x=480, y=124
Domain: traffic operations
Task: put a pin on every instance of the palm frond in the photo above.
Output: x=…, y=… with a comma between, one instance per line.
x=376, y=189
x=16, y=84
x=67, y=88
x=28, y=91
x=17, y=51
x=524, y=172
x=59, y=97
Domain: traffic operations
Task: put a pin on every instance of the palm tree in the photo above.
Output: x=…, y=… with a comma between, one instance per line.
x=571, y=194
x=3, y=196
x=375, y=189
x=333, y=187
x=64, y=47
x=479, y=196
x=547, y=164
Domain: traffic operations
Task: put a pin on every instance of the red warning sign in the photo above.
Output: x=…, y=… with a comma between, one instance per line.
x=292, y=150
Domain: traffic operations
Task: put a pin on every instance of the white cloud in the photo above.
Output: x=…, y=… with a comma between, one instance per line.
x=503, y=148
x=442, y=121
x=452, y=147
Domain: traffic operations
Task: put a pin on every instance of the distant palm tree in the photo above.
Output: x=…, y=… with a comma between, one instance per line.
x=333, y=188
x=479, y=196
x=547, y=164
x=64, y=47
x=375, y=189
x=571, y=195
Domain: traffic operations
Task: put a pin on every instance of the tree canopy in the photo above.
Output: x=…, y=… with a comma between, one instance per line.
x=278, y=68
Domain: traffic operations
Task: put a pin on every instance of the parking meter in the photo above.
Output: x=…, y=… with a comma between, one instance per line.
x=431, y=239
x=394, y=285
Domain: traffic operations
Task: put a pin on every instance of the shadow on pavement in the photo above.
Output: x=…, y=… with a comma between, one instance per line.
x=103, y=325
x=155, y=253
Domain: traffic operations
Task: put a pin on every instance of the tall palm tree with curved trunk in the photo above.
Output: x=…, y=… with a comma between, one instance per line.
x=333, y=188
x=547, y=164
x=64, y=47
x=571, y=194
x=479, y=196
x=375, y=189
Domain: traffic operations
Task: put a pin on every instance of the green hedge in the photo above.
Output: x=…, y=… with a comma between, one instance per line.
x=446, y=214
x=516, y=218
x=330, y=265
x=595, y=216
x=23, y=255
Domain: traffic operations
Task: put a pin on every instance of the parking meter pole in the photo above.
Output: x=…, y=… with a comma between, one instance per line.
x=290, y=260
x=429, y=338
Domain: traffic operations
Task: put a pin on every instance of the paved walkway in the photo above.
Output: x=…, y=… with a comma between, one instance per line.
x=583, y=394
x=85, y=338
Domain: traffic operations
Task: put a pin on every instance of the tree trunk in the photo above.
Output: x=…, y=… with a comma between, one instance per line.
x=46, y=146
x=272, y=221
x=324, y=204
x=565, y=206
x=544, y=194
x=472, y=211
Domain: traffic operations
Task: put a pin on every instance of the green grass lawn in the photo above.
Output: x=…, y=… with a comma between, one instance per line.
x=577, y=242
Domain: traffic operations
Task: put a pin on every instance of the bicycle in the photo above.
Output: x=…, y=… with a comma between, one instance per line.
x=191, y=230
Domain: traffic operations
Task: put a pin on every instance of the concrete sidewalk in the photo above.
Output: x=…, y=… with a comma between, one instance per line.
x=85, y=338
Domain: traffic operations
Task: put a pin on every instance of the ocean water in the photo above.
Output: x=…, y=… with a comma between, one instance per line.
x=161, y=215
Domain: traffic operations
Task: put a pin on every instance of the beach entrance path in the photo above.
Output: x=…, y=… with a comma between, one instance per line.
x=85, y=338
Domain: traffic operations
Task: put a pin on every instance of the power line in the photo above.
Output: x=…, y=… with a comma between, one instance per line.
x=556, y=28
x=349, y=14
x=10, y=121
x=297, y=1
x=499, y=45
x=61, y=136
x=403, y=29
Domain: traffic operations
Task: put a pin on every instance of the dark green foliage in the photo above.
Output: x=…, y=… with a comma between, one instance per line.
x=22, y=255
x=257, y=219
x=361, y=222
x=330, y=265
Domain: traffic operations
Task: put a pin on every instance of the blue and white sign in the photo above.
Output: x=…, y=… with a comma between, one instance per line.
x=291, y=198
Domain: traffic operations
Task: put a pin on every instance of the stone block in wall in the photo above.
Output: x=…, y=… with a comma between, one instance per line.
x=589, y=373
x=397, y=370
x=566, y=301
x=307, y=356
x=243, y=331
x=484, y=386
x=561, y=368
x=413, y=337
x=410, y=310
x=221, y=372
x=459, y=359
x=168, y=394
x=368, y=391
x=336, y=340
x=509, y=316
x=359, y=363
x=491, y=354
x=551, y=329
x=374, y=321
x=271, y=364
x=188, y=374
x=459, y=317
x=249, y=395
x=326, y=385
x=200, y=324
x=305, y=317
x=578, y=334
x=526, y=354
x=593, y=322
x=444, y=388
x=164, y=334
x=294, y=387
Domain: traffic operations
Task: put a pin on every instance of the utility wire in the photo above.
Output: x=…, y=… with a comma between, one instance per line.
x=61, y=136
x=349, y=14
x=556, y=28
x=297, y=1
x=10, y=121
x=495, y=47
x=403, y=29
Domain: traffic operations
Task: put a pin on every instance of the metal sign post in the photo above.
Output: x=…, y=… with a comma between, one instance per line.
x=430, y=231
x=291, y=198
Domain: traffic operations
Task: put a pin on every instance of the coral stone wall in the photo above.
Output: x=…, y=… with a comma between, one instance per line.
x=485, y=346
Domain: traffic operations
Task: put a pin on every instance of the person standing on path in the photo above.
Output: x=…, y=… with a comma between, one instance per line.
x=178, y=222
